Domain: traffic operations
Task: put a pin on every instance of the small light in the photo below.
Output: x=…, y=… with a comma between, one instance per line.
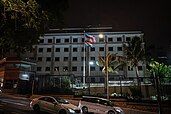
x=101, y=35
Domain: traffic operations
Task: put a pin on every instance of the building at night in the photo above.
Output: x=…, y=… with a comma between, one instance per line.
x=63, y=52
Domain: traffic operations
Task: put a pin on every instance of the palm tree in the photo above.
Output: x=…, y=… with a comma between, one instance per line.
x=110, y=64
x=134, y=51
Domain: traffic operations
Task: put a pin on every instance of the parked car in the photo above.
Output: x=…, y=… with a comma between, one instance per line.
x=54, y=105
x=98, y=105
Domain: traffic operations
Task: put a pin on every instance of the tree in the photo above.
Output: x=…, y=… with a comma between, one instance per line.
x=135, y=52
x=110, y=64
x=161, y=70
x=22, y=22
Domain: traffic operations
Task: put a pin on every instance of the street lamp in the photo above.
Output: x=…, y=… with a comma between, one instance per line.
x=106, y=66
x=89, y=70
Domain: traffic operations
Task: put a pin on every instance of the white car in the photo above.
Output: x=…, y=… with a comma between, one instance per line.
x=54, y=105
x=98, y=105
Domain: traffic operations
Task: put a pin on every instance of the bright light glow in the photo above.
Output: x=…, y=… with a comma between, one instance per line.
x=24, y=75
x=101, y=35
x=91, y=63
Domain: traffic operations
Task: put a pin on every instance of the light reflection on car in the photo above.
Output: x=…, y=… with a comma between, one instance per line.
x=54, y=105
x=99, y=105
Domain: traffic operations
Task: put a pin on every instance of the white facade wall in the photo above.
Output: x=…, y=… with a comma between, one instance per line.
x=114, y=40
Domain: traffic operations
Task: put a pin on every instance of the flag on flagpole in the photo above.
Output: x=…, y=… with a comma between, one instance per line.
x=89, y=39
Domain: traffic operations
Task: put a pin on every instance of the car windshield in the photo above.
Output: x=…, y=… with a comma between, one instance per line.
x=60, y=100
x=106, y=102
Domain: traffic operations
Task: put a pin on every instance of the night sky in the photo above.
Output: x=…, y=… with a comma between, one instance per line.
x=149, y=16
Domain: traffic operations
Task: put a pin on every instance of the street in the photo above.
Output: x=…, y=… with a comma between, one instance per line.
x=20, y=105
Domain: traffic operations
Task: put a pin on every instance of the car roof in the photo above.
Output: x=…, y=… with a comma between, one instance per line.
x=91, y=97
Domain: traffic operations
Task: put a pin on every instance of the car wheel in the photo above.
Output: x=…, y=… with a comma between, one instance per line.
x=111, y=112
x=36, y=108
x=62, y=111
x=85, y=110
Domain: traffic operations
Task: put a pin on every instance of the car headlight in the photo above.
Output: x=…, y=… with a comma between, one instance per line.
x=118, y=110
x=71, y=111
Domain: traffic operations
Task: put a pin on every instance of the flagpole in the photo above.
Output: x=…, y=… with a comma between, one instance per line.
x=84, y=67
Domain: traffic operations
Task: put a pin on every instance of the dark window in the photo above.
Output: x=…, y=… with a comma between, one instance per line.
x=65, y=58
x=83, y=39
x=110, y=48
x=119, y=48
x=39, y=68
x=41, y=41
x=65, y=68
x=100, y=68
x=92, y=68
x=74, y=68
x=92, y=48
x=92, y=58
x=57, y=58
x=119, y=39
x=48, y=49
x=47, y=69
x=82, y=58
x=74, y=49
x=67, y=40
x=110, y=39
x=93, y=80
x=128, y=39
x=58, y=40
x=49, y=40
x=39, y=58
x=40, y=49
x=82, y=49
x=74, y=59
x=48, y=58
x=57, y=50
x=101, y=48
x=66, y=49
x=75, y=39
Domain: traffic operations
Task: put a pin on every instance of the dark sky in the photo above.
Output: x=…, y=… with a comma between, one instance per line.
x=150, y=16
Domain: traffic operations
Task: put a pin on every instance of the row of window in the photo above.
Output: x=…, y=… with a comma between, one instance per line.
x=76, y=40
x=48, y=59
x=75, y=68
x=75, y=49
